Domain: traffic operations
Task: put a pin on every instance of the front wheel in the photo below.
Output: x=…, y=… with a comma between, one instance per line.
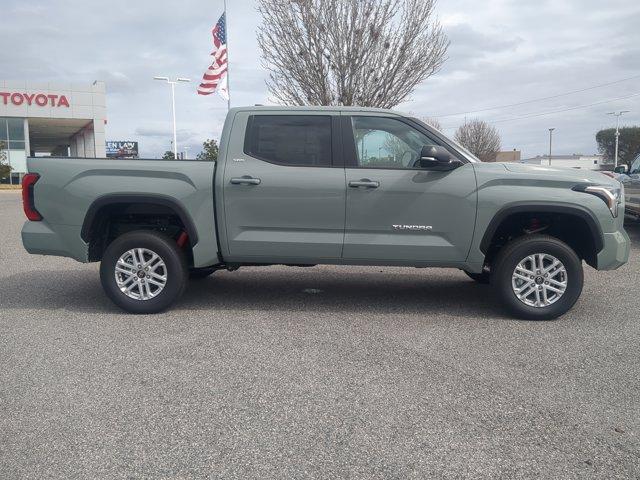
x=538, y=277
x=143, y=272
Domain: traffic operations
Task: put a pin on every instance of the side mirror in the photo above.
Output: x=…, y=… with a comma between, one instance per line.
x=621, y=169
x=436, y=158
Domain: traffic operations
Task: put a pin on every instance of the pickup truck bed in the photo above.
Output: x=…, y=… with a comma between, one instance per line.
x=72, y=193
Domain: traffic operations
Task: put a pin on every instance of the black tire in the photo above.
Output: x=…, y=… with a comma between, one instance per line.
x=169, y=253
x=484, y=278
x=509, y=257
x=200, y=273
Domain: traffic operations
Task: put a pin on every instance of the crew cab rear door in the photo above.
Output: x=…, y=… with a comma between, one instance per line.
x=283, y=199
x=395, y=211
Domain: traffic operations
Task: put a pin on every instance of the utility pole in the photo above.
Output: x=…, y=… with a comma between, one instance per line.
x=173, y=108
x=617, y=115
x=550, y=143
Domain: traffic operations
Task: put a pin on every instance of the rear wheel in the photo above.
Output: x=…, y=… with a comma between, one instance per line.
x=143, y=272
x=538, y=277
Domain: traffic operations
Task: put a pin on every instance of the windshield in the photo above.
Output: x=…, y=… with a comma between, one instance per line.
x=635, y=166
x=470, y=156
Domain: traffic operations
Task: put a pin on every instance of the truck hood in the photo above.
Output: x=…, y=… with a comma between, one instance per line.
x=560, y=174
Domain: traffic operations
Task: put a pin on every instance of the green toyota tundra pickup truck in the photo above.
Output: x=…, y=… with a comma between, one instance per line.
x=343, y=186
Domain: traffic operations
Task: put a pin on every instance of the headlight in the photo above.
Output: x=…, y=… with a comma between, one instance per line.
x=610, y=195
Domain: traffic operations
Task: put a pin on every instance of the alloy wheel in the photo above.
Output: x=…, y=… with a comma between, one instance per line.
x=141, y=274
x=539, y=280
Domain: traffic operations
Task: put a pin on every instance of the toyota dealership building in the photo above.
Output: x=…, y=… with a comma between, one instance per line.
x=51, y=119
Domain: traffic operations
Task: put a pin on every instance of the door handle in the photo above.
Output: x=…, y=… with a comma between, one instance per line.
x=246, y=180
x=364, y=183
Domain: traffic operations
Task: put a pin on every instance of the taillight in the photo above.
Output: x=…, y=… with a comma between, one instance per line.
x=28, y=181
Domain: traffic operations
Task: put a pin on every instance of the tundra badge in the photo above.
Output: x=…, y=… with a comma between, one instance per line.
x=419, y=228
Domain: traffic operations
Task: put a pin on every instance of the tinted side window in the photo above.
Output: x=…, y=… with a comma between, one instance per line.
x=635, y=166
x=302, y=140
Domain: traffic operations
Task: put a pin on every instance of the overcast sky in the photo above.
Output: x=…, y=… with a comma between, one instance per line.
x=502, y=52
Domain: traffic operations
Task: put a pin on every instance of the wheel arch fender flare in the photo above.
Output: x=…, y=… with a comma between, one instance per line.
x=521, y=207
x=143, y=199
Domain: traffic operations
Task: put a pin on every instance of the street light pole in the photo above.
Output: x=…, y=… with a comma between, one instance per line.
x=617, y=115
x=173, y=114
x=550, y=143
x=173, y=108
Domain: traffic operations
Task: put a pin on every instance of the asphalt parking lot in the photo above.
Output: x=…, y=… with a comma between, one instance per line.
x=324, y=372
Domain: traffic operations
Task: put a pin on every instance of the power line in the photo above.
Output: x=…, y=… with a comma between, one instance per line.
x=538, y=99
x=553, y=112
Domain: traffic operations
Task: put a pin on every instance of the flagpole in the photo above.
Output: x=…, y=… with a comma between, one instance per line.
x=226, y=18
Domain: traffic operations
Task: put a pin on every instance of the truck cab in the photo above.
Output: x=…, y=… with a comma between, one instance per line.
x=343, y=186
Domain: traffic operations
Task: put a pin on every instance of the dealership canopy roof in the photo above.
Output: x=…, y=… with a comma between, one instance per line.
x=48, y=133
x=59, y=118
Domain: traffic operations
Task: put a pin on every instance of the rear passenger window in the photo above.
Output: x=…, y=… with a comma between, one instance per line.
x=301, y=140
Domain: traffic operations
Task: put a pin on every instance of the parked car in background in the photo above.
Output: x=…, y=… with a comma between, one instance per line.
x=336, y=185
x=631, y=180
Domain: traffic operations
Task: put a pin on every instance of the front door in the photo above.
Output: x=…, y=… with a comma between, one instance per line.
x=396, y=211
x=283, y=200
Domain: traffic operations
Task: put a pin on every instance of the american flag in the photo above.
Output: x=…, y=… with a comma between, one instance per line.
x=215, y=78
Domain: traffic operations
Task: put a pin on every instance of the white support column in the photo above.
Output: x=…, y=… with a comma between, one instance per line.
x=89, y=141
x=99, y=138
x=27, y=142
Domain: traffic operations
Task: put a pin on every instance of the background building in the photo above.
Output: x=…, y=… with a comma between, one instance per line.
x=508, y=156
x=49, y=119
x=586, y=162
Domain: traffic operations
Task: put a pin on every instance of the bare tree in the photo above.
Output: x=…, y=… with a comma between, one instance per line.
x=370, y=53
x=479, y=138
x=433, y=122
x=5, y=167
